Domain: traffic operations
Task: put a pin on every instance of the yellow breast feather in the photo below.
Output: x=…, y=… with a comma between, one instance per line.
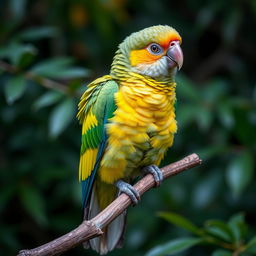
x=144, y=116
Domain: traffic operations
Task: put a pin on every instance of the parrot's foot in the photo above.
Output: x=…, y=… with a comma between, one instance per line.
x=156, y=172
x=129, y=190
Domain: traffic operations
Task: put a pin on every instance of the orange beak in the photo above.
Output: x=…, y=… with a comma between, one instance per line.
x=174, y=55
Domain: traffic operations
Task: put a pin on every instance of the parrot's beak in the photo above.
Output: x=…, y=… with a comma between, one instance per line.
x=174, y=55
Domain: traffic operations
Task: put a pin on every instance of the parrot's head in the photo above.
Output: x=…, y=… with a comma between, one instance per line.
x=153, y=52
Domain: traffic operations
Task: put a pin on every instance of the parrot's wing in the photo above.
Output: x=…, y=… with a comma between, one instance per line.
x=95, y=108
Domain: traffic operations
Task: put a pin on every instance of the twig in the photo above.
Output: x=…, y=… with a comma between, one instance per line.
x=50, y=84
x=92, y=228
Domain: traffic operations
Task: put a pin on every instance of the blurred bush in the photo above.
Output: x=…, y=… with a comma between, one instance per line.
x=216, y=112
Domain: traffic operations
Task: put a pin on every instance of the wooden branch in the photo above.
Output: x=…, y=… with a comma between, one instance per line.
x=92, y=228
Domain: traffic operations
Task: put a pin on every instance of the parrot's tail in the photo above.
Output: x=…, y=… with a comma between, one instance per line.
x=112, y=234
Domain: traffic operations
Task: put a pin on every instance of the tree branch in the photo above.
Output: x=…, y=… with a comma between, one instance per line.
x=92, y=228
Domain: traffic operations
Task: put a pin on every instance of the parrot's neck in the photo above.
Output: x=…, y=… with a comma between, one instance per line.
x=121, y=70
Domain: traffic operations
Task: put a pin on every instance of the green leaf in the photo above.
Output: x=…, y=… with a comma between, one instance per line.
x=14, y=88
x=47, y=99
x=219, y=229
x=71, y=73
x=34, y=204
x=59, y=68
x=179, y=221
x=225, y=114
x=15, y=52
x=239, y=172
x=252, y=242
x=251, y=245
x=37, y=33
x=174, y=246
x=238, y=227
x=61, y=117
x=49, y=66
x=218, y=232
x=25, y=60
x=222, y=253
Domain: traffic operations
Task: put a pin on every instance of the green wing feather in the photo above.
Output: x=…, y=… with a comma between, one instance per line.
x=97, y=105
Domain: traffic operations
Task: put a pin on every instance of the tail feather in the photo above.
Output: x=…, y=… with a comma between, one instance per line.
x=115, y=231
x=112, y=234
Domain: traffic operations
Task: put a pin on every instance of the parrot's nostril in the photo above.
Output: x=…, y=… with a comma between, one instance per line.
x=173, y=43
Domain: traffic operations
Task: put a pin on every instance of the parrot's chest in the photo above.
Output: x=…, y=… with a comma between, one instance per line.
x=141, y=130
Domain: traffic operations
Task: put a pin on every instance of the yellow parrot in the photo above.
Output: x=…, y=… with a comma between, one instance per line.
x=128, y=123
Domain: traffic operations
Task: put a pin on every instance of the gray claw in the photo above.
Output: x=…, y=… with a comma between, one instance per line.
x=129, y=190
x=156, y=172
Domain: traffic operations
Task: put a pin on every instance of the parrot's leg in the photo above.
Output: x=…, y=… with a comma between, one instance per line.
x=156, y=172
x=129, y=190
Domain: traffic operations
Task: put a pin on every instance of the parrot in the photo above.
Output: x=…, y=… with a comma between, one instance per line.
x=128, y=123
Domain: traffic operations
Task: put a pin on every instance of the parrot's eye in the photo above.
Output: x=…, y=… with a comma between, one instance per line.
x=155, y=49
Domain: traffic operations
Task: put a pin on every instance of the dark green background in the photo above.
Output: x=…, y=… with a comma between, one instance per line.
x=40, y=137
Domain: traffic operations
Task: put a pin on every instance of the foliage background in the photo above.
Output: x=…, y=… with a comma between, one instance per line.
x=72, y=43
